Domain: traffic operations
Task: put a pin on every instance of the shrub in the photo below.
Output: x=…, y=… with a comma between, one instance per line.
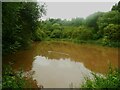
x=56, y=33
x=85, y=34
x=112, y=31
x=39, y=35
x=105, y=40
x=111, y=80
x=82, y=34
x=111, y=17
x=56, y=26
x=67, y=32
x=10, y=79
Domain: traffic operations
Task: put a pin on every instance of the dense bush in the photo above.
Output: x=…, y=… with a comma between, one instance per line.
x=10, y=79
x=111, y=80
x=82, y=33
x=111, y=17
x=76, y=34
x=67, y=31
x=56, y=33
x=56, y=26
x=9, y=27
x=85, y=34
x=112, y=32
x=39, y=35
x=19, y=22
x=91, y=20
x=116, y=7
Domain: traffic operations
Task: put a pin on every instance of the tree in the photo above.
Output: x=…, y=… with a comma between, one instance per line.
x=29, y=15
x=111, y=17
x=112, y=32
x=82, y=33
x=19, y=22
x=77, y=21
x=39, y=35
x=91, y=20
x=116, y=7
x=10, y=26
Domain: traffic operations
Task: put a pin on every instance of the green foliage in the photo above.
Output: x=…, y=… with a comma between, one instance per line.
x=76, y=34
x=67, y=31
x=111, y=80
x=109, y=28
x=53, y=21
x=85, y=34
x=91, y=20
x=56, y=33
x=47, y=26
x=102, y=28
x=111, y=17
x=73, y=22
x=105, y=40
x=76, y=22
x=56, y=26
x=82, y=33
x=39, y=35
x=112, y=32
x=19, y=22
x=10, y=29
x=10, y=79
x=116, y=7
x=20, y=26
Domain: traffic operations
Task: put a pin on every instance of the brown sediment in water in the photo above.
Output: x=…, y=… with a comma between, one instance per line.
x=94, y=57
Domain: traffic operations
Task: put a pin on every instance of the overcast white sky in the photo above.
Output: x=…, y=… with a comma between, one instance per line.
x=67, y=10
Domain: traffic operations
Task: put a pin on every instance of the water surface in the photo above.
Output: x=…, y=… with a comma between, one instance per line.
x=63, y=62
x=61, y=73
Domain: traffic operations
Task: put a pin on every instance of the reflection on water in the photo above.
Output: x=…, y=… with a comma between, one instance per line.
x=62, y=73
x=95, y=58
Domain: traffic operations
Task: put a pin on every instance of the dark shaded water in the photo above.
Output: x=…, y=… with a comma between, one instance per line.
x=63, y=64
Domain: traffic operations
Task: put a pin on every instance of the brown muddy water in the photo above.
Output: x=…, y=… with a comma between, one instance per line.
x=63, y=64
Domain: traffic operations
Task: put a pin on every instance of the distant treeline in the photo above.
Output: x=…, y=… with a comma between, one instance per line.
x=101, y=27
x=21, y=25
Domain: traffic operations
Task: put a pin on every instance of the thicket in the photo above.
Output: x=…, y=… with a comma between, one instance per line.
x=19, y=24
x=11, y=79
